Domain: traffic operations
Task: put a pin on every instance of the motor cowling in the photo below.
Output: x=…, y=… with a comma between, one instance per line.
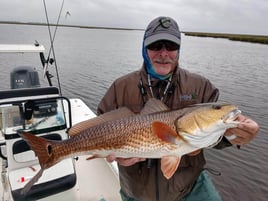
x=24, y=77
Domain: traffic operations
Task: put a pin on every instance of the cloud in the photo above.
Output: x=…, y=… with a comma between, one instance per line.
x=229, y=16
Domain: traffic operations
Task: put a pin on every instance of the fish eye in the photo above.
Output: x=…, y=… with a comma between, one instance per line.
x=49, y=149
x=216, y=107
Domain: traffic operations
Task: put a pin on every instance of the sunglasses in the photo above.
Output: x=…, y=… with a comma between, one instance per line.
x=170, y=46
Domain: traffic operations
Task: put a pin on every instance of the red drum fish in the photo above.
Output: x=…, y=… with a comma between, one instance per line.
x=157, y=132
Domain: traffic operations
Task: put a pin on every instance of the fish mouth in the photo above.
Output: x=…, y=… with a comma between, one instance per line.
x=231, y=116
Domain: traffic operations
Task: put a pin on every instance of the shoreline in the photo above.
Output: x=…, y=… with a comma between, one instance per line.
x=66, y=25
x=261, y=39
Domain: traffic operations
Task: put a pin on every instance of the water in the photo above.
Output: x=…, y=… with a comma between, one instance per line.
x=89, y=60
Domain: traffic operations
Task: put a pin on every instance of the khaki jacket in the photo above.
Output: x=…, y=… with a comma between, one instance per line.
x=144, y=181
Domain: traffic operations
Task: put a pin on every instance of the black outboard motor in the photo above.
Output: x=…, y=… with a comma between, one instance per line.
x=24, y=77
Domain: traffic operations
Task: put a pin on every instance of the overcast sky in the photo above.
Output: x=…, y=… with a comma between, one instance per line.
x=227, y=16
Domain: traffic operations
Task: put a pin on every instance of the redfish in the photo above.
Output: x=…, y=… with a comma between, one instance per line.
x=157, y=132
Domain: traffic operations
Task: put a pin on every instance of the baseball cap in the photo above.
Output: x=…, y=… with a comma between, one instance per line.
x=162, y=28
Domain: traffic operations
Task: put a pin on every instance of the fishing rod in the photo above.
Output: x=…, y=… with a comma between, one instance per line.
x=49, y=60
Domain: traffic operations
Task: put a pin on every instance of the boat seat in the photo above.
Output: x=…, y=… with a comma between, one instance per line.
x=10, y=95
x=56, y=179
x=39, y=191
x=46, y=187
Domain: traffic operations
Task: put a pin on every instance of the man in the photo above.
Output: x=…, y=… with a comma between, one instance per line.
x=162, y=78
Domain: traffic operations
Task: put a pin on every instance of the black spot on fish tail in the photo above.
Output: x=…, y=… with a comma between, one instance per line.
x=49, y=149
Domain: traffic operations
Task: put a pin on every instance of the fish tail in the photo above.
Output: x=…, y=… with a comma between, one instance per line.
x=41, y=146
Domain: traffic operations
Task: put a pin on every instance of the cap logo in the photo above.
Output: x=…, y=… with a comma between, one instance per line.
x=164, y=22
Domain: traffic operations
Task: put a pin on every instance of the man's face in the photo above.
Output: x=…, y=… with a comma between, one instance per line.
x=163, y=56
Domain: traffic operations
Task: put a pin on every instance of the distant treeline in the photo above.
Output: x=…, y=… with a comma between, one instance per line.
x=65, y=25
x=236, y=37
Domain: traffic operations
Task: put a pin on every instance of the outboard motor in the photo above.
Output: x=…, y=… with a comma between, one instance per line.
x=24, y=77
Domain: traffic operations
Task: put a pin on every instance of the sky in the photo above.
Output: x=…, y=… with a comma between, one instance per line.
x=220, y=16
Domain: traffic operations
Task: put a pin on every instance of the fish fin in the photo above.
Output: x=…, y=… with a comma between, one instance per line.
x=120, y=113
x=153, y=105
x=165, y=132
x=169, y=165
x=28, y=186
x=41, y=147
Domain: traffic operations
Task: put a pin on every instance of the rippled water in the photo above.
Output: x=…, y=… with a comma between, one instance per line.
x=89, y=60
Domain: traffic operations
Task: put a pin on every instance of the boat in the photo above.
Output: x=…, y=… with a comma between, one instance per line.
x=43, y=111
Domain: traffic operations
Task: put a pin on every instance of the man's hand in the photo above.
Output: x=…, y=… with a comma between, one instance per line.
x=245, y=131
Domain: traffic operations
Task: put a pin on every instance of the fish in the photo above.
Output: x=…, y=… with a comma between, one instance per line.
x=156, y=132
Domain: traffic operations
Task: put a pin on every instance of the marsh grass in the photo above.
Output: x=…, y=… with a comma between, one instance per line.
x=235, y=37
